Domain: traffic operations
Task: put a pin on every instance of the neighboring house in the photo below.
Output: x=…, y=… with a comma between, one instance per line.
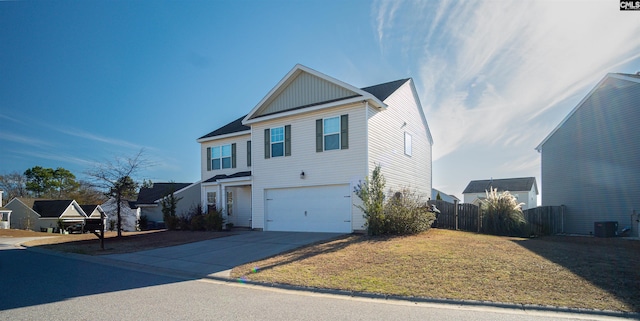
x=129, y=215
x=5, y=215
x=37, y=214
x=525, y=190
x=445, y=197
x=590, y=161
x=93, y=211
x=149, y=199
x=292, y=163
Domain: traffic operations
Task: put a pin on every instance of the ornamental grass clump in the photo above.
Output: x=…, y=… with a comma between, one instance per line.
x=502, y=214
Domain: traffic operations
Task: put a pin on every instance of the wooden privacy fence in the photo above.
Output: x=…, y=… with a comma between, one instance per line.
x=543, y=220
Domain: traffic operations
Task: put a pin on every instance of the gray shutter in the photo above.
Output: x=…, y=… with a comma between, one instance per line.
x=233, y=155
x=319, y=147
x=208, y=158
x=287, y=140
x=344, y=132
x=248, y=153
x=267, y=143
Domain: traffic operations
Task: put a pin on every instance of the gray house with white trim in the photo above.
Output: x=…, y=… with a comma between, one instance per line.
x=591, y=160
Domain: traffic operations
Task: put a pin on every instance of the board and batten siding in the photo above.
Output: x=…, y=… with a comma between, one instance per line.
x=386, y=143
x=241, y=155
x=346, y=166
x=590, y=164
x=297, y=94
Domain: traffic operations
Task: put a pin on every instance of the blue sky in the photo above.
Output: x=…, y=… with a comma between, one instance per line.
x=84, y=82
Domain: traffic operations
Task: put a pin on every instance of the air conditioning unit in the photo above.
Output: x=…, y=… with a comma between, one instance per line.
x=605, y=229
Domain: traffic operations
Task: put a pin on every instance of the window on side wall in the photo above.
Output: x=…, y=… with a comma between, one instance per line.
x=407, y=144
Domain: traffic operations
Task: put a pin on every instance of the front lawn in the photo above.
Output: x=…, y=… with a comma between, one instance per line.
x=129, y=242
x=576, y=272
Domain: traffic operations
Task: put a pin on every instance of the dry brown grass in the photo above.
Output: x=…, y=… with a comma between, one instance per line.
x=130, y=241
x=575, y=272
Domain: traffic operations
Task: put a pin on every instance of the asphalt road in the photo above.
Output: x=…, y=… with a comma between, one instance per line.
x=37, y=286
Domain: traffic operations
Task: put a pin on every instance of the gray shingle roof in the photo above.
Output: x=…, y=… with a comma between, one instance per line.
x=223, y=176
x=507, y=184
x=52, y=208
x=382, y=91
x=148, y=195
x=232, y=127
x=88, y=209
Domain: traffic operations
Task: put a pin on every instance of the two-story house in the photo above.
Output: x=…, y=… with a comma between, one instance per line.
x=292, y=163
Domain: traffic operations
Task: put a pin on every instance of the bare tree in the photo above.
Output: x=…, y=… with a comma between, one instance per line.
x=116, y=178
x=14, y=185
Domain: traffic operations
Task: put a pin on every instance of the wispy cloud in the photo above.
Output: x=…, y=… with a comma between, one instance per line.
x=96, y=138
x=57, y=156
x=489, y=67
x=24, y=140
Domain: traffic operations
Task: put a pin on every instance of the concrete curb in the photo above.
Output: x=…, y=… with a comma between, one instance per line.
x=452, y=302
x=223, y=276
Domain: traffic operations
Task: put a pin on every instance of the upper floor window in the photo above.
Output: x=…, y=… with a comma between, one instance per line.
x=332, y=133
x=220, y=157
x=277, y=141
x=407, y=144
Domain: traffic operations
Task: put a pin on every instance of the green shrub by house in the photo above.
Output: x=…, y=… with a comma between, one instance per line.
x=403, y=213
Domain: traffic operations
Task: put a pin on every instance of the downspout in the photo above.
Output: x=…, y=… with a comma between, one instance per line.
x=366, y=127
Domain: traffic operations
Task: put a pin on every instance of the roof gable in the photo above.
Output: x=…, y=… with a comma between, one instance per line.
x=304, y=87
x=507, y=184
x=53, y=208
x=632, y=79
x=149, y=195
x=316, y=91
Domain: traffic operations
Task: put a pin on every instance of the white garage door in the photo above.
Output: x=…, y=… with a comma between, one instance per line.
x=309, y=209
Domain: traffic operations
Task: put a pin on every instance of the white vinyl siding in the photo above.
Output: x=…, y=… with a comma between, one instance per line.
x=241, y=149
x=387, y=130
x=72, y=212
x=319, y=168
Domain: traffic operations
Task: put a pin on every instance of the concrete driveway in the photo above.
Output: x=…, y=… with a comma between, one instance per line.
x=217, y=257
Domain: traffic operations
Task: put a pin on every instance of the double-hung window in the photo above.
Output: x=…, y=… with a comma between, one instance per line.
x=220, y=157
x=331, y=133
x=277, y=141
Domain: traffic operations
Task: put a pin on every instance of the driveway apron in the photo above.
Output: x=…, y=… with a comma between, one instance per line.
x=216, y=257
